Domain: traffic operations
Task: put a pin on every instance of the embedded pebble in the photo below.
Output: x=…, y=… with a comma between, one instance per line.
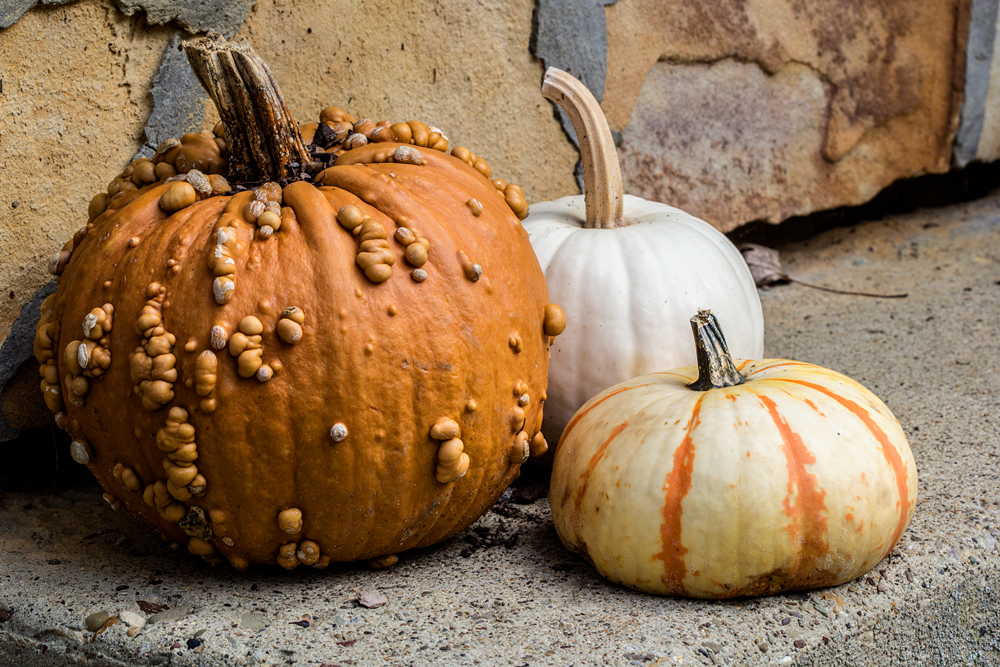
x=254, y=621
x=131, y=619
x=371, y=599
x=169, y=615
x=419, y=275
x=96, y=620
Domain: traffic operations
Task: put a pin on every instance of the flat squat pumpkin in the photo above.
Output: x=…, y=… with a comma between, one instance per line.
x=336, y=353
x=731, y=479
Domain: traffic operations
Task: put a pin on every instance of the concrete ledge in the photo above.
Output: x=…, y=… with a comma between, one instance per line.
x=487, y=598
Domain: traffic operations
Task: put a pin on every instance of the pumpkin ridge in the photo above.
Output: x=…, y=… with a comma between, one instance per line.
x=892, y=456
x=585, y=475
x=434, y=160
x=582, y=414
x=676, y=487
x=808, y=526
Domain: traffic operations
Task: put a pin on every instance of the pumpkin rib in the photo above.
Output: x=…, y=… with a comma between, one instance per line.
x=808, y=524
x=468, y=178
x=675, y=487
x=585, y=477
x=892, y=457
x=583, y=413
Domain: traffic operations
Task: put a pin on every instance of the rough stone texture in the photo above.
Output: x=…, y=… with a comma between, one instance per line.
x=572, y=35
x=933, y=601
x=73, y=103
x=19, y=403
x=225, y=16
x=12, y=10
x=987, y=148
x=978, y=60
x=73, y=118
x=179, y=102
x=889, y=107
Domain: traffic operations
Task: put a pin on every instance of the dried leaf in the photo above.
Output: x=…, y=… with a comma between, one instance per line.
x=152, y=607
x=765, y=267
x=371, y=599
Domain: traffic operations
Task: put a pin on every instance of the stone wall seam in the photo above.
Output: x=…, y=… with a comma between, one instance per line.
x=978, y=57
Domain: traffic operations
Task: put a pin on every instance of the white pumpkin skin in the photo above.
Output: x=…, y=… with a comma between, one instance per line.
x=628, y=293
x=798, y=479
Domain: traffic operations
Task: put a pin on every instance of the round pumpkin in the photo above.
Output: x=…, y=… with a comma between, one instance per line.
x=728, y=479
x=628, y=272
x=336, y=353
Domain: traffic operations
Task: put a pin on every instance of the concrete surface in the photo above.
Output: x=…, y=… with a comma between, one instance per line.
x=505, y=592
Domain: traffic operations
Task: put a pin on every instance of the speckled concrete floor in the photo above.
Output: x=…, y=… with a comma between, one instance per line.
x=521, y=599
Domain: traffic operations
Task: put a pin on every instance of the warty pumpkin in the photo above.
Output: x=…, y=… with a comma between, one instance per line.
x=628, y=272
x=337, y=352
x=733, y=478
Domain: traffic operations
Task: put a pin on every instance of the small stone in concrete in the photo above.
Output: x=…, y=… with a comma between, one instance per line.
x=371, y=599
x=132, y=619
x=253, y=621
x=96, y=620
x=169, y=616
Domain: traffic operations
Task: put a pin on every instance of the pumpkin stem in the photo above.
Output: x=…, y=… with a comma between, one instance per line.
x=262, y=136
x=602, y=176
x=715, y=367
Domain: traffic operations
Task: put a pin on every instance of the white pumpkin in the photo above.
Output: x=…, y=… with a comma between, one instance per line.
x=628, y=273
x=729, y=479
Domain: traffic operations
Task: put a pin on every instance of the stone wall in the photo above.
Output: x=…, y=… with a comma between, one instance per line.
x=736, y=111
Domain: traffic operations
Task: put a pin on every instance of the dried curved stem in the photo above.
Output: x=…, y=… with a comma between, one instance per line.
x=263, y=137
x=602, y=176
x=715, y=367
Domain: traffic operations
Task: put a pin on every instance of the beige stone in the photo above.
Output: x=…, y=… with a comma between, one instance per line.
x=74, y=110
x=74, y=102
x=888, y=107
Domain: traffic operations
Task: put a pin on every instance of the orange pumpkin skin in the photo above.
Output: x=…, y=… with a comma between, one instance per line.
x=799, y=478
x=327, y=456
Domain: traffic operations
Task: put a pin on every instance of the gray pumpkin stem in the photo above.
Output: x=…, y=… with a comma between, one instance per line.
x=264, y=141
x=715, y=366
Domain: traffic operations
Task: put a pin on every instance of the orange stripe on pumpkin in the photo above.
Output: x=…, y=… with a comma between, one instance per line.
x=585, y=477
x=807, y=529
x=676, y=487
x=580, y=415
x=892, y=457
x=594, y=460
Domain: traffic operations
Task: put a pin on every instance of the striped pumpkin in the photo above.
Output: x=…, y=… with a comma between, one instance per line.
x=733, y=478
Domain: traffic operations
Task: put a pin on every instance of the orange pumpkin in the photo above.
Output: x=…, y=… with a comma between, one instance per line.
x=344, y=362
x=724, y=480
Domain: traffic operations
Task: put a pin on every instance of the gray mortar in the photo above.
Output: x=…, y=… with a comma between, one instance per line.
x=978, y=58
x=18, y=348
x=573, y=36
x=223, y=16
x=931, y=356
x=178, y=100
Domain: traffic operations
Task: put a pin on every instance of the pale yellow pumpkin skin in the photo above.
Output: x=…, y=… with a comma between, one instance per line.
x=799, y=478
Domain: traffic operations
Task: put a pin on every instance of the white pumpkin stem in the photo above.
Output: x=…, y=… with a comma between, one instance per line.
x=715, y=366
x=263, y=138
x=602, y=176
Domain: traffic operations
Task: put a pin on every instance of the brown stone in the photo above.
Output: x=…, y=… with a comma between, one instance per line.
x=768, y=109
